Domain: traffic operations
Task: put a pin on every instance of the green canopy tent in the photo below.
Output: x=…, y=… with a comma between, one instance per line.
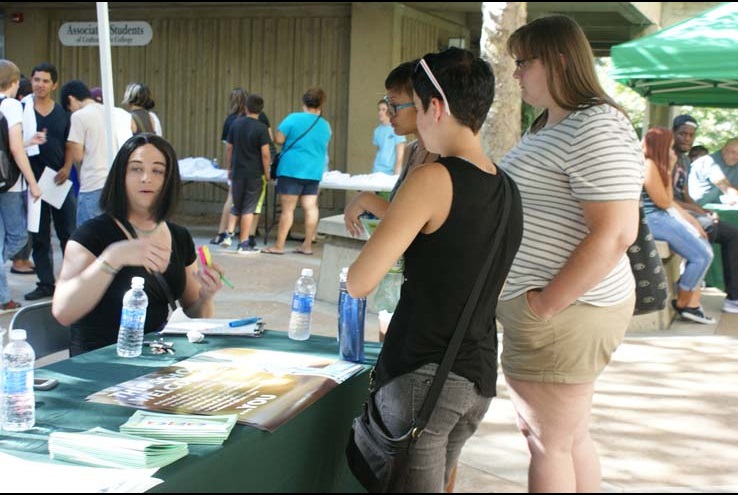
x=694, y=62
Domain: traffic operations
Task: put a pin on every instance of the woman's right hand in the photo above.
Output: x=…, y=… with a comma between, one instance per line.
x=351, y=217
x=138, y=252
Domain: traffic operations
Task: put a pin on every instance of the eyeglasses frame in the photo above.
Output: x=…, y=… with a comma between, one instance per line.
x=392, y=109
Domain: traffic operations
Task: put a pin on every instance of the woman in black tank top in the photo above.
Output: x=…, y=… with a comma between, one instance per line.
x=443, y=220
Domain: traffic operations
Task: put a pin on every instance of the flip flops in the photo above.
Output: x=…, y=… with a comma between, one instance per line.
x=271, y=251
x=299, y=250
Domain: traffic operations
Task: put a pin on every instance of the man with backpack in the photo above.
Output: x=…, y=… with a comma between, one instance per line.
x=13, y=162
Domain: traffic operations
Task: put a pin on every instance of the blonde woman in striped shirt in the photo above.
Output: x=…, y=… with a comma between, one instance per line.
x=570, y=293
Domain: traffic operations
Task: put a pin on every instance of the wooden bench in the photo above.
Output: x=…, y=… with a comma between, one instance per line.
x=660, y=320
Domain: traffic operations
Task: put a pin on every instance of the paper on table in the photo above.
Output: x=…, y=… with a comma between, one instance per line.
x=51, y=192
x=22, y=476
x=33, y=217
x=180, y=323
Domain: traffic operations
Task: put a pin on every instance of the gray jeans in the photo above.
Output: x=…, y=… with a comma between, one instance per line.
x=458, y=412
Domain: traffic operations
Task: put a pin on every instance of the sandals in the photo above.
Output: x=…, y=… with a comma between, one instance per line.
x=270, y=250
x=299, y=250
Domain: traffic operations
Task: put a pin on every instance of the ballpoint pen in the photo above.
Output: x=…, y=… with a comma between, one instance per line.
x=245, y=321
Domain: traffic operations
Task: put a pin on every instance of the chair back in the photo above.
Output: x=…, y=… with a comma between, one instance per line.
x=44, y=333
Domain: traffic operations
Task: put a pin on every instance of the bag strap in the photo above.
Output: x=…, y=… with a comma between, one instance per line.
x=301, y=135
x=158, y=277
x=461, y=326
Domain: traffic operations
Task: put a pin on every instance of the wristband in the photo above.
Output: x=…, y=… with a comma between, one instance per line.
x=107, y=267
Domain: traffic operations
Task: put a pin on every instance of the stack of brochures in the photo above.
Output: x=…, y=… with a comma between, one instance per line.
x=209, y=430
x=105, y=448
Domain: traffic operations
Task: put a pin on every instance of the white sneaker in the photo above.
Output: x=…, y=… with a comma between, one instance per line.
x=697, y=315
x=730, y=305
x=226, y=242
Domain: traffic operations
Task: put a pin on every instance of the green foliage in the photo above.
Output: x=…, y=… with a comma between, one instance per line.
x=717, y=125
x=633, y=103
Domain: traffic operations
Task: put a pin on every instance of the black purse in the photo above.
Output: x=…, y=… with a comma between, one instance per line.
x=651, y=285
x=275, y=161
x=378, y=460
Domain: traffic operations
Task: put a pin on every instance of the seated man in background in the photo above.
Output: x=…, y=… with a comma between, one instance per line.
x=713, y=178
x=697, y=151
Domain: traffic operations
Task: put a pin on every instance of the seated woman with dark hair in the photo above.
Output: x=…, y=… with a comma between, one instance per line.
x=670, y=223
x=140, y=194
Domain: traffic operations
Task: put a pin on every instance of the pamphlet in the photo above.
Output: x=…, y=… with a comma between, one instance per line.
x=262, y=388
x=188, y=428
x=105, y=448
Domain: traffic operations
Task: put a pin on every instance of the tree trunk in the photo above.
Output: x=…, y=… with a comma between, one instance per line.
x=499, y=20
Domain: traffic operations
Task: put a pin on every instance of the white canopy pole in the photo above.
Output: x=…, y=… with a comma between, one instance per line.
x=106, y=75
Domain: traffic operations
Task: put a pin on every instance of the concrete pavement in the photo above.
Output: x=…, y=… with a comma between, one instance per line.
x=665, y=412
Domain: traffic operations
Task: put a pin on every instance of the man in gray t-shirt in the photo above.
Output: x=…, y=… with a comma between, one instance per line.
x=716, y=175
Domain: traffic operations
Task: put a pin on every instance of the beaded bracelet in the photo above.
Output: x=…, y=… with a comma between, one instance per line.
x=107, y=267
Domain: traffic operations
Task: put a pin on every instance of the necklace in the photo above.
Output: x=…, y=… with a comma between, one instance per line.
x=146, y=233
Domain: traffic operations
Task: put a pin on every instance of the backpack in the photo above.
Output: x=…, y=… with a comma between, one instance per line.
x=9, y=171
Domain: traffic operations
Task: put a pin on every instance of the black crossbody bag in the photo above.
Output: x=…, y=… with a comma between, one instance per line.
x=377, y=459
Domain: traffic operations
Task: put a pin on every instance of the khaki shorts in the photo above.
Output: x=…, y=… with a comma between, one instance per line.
x=572, y=347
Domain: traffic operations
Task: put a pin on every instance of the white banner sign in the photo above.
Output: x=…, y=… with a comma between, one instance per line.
x=128, y=33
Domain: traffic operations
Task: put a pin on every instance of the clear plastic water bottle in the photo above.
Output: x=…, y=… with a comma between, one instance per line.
x=19, y=406
x=302, y=306
x=388, y=290
x=351, y=315
x=132, y=319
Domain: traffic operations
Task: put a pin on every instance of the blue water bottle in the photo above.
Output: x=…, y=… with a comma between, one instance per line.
x=351, y=315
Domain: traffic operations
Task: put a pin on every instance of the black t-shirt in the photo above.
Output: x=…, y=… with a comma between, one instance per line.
x=247, y=135
x=231, y=117
x=51, y=153
x=100, y=326
x=440, y=270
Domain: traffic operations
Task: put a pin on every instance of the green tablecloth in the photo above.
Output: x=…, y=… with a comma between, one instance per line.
x=714, y=276
x=304, y=455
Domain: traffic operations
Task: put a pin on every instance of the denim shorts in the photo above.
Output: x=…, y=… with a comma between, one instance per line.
x=297, y=187
x=457, y=415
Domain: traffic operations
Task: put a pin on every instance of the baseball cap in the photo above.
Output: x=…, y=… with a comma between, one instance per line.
x=684, y=119
x=96, y=94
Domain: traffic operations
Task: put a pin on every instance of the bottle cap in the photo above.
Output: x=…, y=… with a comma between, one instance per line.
x=344, y=270
x=307, y=272
x=137, y=282
x=18, y=334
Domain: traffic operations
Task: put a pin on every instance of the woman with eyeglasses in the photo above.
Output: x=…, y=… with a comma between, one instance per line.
x=444, y=220
x=570, y=295
x=401, y=111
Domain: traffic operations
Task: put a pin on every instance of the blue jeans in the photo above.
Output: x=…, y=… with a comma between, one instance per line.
x=13, y=233
x=695, y=250
x=457, y=414
x=88, y=206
